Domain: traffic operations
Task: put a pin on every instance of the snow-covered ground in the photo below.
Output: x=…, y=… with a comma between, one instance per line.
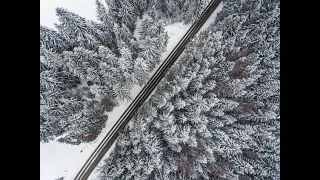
x=85, y=8
x=63, y=160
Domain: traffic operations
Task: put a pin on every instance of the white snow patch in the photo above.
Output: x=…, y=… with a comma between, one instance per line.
x=175, y=32
x=138, y=24
x=84, y=8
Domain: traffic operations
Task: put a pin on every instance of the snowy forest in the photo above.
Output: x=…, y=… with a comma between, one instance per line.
x=216, y=113
x=89, y=67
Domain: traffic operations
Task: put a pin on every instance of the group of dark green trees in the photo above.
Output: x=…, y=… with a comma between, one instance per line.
x=216, y=113
x=88, y=67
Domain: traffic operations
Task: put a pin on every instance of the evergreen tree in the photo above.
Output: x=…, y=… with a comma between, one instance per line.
x=123, y=33
x=76, y=29
x=193, y=9
x=170, y=8
x=114, y=7
x=123, y=12
x=128, y=14
x=140, y=6
x=116, y=71
x=151, y=49
x=152, y=43
x=84, y=127
x=106, y=27
x=51, y=40
x=52, y=79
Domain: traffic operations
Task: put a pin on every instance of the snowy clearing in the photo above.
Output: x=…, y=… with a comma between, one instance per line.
x=85, y=8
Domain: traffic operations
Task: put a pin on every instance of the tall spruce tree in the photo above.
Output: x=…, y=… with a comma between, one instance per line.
x=106, y=27
x=76, y=29
x=193, y=9
x=51, y=40
x=152, y=43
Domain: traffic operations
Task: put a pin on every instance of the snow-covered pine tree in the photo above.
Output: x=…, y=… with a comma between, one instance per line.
x=179, y=10
x=129, y=14
x=123, y=12
x=56, y=113
x=154, y=13
x=170, y=8
x=192, y=10
x=77, y=30
x=150, y=51
x=140, y=6
x=51, y=40
x=106, y=26
x=114, y=7
x=52, y=78
x=122, y=33
x=216, y=114
x=125, y=70
x=84, y=127
x=152, y=43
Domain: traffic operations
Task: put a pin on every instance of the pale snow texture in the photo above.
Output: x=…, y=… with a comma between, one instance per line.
x=63, y=160
x=85, y=8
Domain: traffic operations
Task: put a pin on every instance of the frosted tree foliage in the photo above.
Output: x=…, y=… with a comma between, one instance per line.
x=91, y=66
x=51, y=40
x=88, y=67
x=216, y=113
x=151, y=43
x=180, y=10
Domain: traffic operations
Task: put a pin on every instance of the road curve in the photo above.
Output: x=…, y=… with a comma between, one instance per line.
x=111, y=136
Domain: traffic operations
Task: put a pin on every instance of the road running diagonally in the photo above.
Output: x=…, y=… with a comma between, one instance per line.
x=112, y=135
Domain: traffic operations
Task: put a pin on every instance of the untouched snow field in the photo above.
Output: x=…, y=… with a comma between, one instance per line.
x=63, y=160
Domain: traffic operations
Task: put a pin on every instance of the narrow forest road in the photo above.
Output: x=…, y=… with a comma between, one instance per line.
x=109, y=139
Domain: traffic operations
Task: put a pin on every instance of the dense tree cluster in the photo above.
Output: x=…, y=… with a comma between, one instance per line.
x=84, y=61
x=216, y=113
x=88, y=67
